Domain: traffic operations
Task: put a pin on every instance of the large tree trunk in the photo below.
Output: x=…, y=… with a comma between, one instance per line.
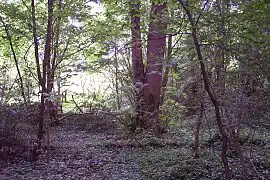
x=155, y=57
x=147, y=85
x=137, y=61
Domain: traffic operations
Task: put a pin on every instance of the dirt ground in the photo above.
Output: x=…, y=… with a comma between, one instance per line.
x=81, y=149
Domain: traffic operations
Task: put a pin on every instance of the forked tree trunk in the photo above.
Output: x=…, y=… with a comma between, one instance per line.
x=156, y=42
x=45, y=80
x=147, y=84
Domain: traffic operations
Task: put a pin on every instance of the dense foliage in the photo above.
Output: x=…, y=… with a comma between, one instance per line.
x=155, y=71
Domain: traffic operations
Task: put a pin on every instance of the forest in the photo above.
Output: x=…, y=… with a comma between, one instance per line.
x=135, y=89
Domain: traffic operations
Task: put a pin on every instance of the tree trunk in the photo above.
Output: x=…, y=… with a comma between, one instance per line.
x=137, y=61
x=156, y=43
x=46, y=74
x=15, y=59
x=40, y=83
x=167, y=70
x=33, y=13
x=56, y=37
x=47, y=51
x=147, y=86
x=48, y=69
x=116, y=65
x=57, y=106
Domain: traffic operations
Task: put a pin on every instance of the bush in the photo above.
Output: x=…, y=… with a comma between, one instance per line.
x=172, y=113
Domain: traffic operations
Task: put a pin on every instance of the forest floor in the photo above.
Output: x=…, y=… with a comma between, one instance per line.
x=81, y=149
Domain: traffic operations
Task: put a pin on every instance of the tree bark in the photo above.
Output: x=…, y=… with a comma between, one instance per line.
x=46, y=74
x=47, y=67
x=147, y=84
x=137, y=60
x=156, y=42
x=47, y=51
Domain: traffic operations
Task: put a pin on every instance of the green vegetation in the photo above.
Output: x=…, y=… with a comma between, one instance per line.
x=132, y=89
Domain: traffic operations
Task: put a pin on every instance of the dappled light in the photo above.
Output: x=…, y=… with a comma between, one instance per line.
x=134, y=89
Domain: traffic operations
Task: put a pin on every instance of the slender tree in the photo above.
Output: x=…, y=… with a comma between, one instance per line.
x=15, y=58
x=210, y=91
x=167, y=69
x=35, y=37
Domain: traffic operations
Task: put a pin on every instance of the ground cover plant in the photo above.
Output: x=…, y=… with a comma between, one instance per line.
x=134, y=89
